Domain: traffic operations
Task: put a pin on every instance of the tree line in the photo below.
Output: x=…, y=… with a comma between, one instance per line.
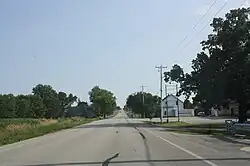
x=46, y=102
x=221, y=71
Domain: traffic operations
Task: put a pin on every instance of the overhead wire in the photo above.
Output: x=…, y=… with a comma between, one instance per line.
x=209, y=23
x=197, y=23
x=210, y=7
x=241, y=5
x=223, y=6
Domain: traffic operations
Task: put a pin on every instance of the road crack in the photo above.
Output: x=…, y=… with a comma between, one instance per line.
x=106, y=162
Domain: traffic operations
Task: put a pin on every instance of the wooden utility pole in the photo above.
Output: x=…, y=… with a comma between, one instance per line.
x=161, y=77
x=166, y=90
x=142, y=91
x=177, y=103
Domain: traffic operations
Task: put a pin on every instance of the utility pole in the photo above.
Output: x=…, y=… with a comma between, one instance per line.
x=177, y=103
x=142, y=91
x=166, y=90
x=161, y=77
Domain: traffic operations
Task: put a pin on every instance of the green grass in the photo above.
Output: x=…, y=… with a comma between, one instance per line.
x=198, y=131
x=171, y=124
x=14, y=130
x=187, y=128
x=6, y=122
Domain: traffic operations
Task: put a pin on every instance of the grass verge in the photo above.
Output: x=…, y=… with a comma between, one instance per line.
x=171, y=124
x=14, y=130
x=187, y=128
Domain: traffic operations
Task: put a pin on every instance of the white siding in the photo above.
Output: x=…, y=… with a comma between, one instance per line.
x=172, y=107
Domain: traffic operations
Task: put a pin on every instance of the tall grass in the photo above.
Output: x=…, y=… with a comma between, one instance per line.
x=13, y=130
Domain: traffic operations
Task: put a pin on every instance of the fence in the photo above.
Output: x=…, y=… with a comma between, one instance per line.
x=237, y=128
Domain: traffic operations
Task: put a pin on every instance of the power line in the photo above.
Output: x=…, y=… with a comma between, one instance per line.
x=210, y=7
x=208, y=24
x=223, y=6
x=198, y=22
x=241, y=5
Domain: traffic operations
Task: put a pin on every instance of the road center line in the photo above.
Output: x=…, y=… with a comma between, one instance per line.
x=183, y=149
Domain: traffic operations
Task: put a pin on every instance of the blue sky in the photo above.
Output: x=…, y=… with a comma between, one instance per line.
x=76, y=44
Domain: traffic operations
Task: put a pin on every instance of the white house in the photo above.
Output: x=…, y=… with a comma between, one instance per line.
x=171, y=104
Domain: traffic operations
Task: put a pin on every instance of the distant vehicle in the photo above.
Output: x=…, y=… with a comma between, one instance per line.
x=201, y=114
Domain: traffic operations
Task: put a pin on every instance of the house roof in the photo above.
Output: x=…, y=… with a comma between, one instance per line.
x=173, y=96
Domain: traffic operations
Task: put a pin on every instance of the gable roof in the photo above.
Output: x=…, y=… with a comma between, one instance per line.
x=173, y=96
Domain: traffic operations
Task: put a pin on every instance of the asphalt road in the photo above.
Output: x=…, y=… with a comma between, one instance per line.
x=119, y=142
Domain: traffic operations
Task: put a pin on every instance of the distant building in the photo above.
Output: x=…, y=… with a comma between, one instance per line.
x=171, y=104
x=231, y=109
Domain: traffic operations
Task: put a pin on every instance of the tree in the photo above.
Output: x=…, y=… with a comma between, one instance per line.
x=45, y=102
x=7, y=106
x=221, y=72
x=150, y=107
x=103, y=101
x=63, y=98
x=79, y=103
x=134, y=103
x=66, y=100
x=187, y=104
x=37, y=107
x=23, y=106
x=50, y=100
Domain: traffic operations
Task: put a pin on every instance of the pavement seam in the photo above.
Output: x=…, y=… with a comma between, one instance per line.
x=183, y=149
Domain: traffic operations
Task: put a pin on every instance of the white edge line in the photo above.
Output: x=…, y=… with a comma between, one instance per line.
x=183, y=149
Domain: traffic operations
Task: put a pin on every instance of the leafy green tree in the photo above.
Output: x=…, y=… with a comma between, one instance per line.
x=50, y=100
x=23, y=109
x=149, y=108
x=3, y=110
x=63, y=98
x=152, y=105
x=135, y=104
x=7, y=106
x=102, y=100
x=66, y=100
x=37, y=108
x=43, y=103
x=79, y=103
